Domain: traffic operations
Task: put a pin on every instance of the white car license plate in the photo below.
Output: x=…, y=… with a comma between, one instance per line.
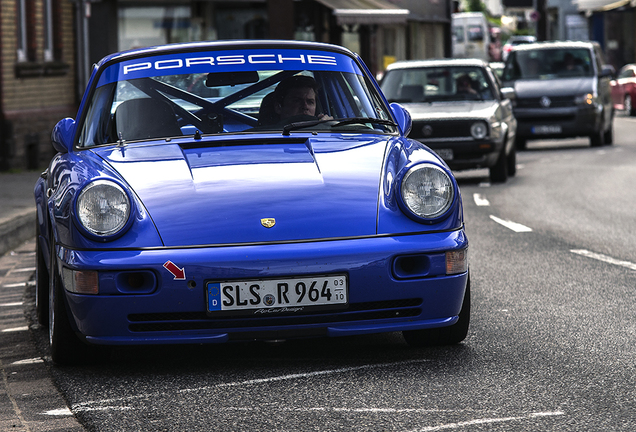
x=278, y=295
x=446, y=154
x=545, y=130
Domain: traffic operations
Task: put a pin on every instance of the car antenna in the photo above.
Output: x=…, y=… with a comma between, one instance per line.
x=120, y=141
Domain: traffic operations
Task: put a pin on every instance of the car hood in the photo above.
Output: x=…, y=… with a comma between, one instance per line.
x=202, y=194
x=451, y=110
x=554, y=87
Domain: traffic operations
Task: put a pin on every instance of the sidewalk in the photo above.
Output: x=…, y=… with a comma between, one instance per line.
x=29, y=400
x=17, y=208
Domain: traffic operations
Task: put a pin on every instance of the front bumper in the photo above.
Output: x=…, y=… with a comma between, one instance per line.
x=467, y=153
x=567, y=122
x=166, y=310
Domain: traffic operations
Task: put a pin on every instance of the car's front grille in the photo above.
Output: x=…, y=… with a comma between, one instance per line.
x=440, y=129
x=180, y=321
x=555, y=102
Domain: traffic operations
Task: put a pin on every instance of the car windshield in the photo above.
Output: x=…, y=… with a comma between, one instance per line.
x=435, y=84
x=548, y=64
x=231, y=92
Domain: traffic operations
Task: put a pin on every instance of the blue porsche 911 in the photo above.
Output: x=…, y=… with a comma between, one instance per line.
x=244, y=190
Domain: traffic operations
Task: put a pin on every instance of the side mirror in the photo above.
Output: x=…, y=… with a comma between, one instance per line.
x=403, y=117
x=63, y=134
x=508, y=93
x=608, y=71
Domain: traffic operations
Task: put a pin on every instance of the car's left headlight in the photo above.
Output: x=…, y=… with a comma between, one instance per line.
x=103, y=208
x=427, y=191
x=585, y=99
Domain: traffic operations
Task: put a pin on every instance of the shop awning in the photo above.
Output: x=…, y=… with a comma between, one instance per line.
x=366, y=12
x=601, y=5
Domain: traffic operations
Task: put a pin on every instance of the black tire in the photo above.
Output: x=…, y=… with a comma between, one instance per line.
x=512, y=162
x=608, y=138
x=41, y=286
x=521, y=143
x=597, y=139
x=450, y=335
x=629, y=106
x=66, y=347
x=499, y=172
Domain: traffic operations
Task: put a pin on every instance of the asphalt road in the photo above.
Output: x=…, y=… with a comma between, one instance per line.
x=551, y=346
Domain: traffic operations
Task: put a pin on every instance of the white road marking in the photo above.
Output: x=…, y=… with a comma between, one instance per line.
x=59, y=412
x=301, y=375
x=11, y=304
x=21, y=270
x=27, y=361
x=15, y=285
x=95, y=405
x=604, y=258
x=481, y=200
x=516, y=227
x=461, y=425
x=15, y=329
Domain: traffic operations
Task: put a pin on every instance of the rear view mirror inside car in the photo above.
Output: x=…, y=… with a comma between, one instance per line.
x=217, y=79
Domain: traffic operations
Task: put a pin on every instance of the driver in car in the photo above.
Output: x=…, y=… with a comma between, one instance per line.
x=296, y=96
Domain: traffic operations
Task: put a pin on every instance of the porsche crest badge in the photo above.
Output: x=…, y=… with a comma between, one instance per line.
x=268, y=222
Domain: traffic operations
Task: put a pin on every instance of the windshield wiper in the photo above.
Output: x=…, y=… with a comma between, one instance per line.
x=364, y=120
x=341, y=122
x=302, y=124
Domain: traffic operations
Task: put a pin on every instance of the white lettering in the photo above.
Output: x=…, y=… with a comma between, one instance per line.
x=281, y=59
x=252, y=58
x=325, y=60
x=169, y=64
x=137, y=67
x=230, y=60
x=199, y=61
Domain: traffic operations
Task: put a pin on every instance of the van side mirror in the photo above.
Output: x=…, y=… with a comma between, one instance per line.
x=403, y=118
x=608, y=71
x=63, y=134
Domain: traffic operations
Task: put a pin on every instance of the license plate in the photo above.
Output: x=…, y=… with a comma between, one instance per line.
x=545, y=130
x=271, y=296
x=446, y=154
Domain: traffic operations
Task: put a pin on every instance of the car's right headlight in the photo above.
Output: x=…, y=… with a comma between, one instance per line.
x=103, y=208
x=427, y=192
x=479, y=130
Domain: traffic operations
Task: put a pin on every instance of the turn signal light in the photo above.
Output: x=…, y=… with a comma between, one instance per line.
x=457, y=261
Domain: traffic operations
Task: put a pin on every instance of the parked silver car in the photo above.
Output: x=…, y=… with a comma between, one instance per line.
x=459, y=111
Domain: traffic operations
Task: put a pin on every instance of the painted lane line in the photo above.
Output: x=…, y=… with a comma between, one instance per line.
x=27, y=361
x=22, y=270
x=58, y=412
x=481, y=200
x=15, y=285
x=604, y=258
x=302, y=375
x=15, y=329
x=461, y=425
x=516, y=227
x=107, y=403
x=11, y=304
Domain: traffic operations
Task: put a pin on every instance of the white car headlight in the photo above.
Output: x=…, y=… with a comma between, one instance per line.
x=479, y=130
x=103, y=208
x=427, y=191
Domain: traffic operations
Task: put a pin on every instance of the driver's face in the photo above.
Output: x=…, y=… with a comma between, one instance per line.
x=298, y=101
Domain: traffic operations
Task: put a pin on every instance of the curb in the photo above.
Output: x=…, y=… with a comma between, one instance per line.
x=16, y=229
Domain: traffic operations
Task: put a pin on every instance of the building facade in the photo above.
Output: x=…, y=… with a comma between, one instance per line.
x=37, y=81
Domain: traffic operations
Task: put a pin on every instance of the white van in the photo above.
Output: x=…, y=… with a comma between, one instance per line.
x=471, y=35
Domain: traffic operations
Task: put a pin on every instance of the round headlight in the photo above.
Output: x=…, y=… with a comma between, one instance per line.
x=479, y=130
x=103, y=208
x=427, y=191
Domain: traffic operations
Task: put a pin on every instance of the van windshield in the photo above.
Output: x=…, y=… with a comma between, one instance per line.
x=548, y=64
